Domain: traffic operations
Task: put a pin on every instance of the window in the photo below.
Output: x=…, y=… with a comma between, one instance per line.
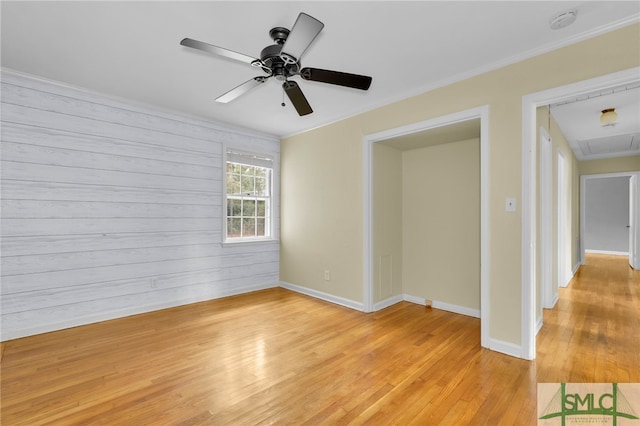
x=248, y=196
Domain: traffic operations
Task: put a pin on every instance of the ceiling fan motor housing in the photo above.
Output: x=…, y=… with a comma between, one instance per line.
x=270, y=56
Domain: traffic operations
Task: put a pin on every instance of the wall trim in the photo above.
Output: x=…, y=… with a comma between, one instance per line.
x=443, y=306
x=576, y=267
x=121, y=313
x=538, y=325
x=554, y=301
x=388, y=302
x=358, y=306
x=506, y=348
x=456, y=309
x=546, y=217
x=614, y=253
x=414, y=299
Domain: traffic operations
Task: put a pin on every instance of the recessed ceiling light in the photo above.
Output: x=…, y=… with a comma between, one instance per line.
x=563, y=19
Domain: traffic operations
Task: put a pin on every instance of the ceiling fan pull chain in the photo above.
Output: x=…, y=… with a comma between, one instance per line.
x=282, y=104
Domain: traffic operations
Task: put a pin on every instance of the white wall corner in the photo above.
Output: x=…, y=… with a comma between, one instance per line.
x=538, y=325
x=358, y=306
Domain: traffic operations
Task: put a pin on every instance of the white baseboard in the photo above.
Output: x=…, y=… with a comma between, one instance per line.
x=358, y=306
x=388, y=302
x=463, y=310
x=115, y=314
x=506, y=348
x=576, y=267
x=614, y=253
x=538, y=325
x=414, y=299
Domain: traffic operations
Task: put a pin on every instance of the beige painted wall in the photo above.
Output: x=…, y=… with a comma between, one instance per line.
x=387, y=222
x=321, y=190
x=611, y=165
x=441, y=220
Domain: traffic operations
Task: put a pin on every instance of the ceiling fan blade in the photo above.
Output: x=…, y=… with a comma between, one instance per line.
x=304, y=31
x=354, y=81
x=297, y=98
x=210, y=48
x=241, y=90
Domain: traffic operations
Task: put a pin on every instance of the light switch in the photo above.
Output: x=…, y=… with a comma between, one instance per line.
x=510, y=205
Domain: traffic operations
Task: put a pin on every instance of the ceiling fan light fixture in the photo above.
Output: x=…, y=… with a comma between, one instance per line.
x=563, y=19
x=608, y=117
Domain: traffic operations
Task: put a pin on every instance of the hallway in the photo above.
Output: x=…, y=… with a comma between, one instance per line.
x=592, y=334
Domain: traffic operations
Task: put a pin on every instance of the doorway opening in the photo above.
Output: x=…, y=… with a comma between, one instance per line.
x=608, y=215
x=373, y=268
x=529, y=186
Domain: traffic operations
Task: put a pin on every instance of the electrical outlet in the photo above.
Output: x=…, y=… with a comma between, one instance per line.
x=154, y=282
x=510, y=205
x=327, y=275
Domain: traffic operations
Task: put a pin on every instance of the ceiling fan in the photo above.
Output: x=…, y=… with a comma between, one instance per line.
x=282, y=61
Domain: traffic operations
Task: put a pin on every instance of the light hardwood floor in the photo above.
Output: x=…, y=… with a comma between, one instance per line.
x=277, y=357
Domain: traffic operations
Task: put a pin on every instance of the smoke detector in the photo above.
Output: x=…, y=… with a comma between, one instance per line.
x=563, y=19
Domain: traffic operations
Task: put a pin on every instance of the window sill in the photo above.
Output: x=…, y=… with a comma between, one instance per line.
x=230, y=243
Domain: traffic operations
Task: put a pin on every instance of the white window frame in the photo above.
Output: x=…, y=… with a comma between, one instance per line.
x=257, y=160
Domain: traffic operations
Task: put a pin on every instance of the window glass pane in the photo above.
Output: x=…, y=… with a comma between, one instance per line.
x=261, y=172
x=260, y=226
x=248, y=208
x=233, y=227
x=261, y=187
x=234, y=168
x=260, y=208
x=247, y=185
x=248, y=170
x=248, y=227
x=234, y=207
x=233, y=183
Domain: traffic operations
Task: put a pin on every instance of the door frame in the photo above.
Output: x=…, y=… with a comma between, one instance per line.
x=634, y=221
x=563, y=258
x=481, y=113
x=583, y=206
x=546, y=219
x=530, y=103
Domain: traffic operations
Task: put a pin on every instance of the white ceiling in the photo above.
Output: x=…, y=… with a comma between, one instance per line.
x=579, y=121
x=131, y=50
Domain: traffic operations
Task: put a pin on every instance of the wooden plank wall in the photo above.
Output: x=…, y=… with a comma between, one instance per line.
x=111, y=209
